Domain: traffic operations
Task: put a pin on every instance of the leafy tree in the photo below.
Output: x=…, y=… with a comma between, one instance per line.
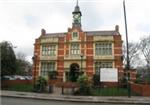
x=8, y=59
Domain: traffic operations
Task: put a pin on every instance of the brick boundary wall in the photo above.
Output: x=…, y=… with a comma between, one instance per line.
x=15, y=82
x=109, y=84
x=141, y=89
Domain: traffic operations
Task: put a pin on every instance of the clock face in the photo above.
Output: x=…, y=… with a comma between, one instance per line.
x=76, y=16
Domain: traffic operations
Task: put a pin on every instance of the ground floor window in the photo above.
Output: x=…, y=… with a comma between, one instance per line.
x=46, y=67
x=101, y=64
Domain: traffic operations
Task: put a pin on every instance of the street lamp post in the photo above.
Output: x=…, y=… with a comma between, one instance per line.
x=99, y=71
x=127, y=46
x=81, y=62
x=128, y=84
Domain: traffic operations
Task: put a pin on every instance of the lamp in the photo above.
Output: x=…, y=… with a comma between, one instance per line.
x=81, y=61
x=34, y=58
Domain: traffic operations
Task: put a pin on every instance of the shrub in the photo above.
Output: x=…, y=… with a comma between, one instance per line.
x=52, y=74
x=85, y=85
x=147, y=80
x=124, y=82
x=40, y=85
x=96, y=80
x=138, y=80
x=143, y=80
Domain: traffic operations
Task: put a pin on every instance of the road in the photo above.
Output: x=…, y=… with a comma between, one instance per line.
x=22, y=101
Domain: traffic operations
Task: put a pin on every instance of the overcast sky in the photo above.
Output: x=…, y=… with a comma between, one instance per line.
x=21, y=21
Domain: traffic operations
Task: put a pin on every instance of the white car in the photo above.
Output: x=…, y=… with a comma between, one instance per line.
x=8, y=77
x=19, y=77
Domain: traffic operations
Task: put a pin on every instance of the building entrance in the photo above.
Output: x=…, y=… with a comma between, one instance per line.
x=74, y=72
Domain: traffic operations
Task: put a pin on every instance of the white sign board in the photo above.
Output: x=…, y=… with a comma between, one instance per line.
x=108, y=75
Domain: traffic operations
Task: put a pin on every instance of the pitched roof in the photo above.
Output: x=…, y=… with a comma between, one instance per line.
x=55, y=34
x=89, y=33
x=93, y=33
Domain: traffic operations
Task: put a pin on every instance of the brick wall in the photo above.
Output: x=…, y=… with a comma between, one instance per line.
x=89, y=56
x=109, y=84
x=15, y=82
x=60, y=58
x=142, y=89
x=118, y=54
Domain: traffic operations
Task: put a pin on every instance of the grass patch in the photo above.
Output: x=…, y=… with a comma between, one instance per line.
x=110, y=92
x=20, y=87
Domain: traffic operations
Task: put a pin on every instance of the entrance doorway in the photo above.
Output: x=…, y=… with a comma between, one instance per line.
x=74, y=72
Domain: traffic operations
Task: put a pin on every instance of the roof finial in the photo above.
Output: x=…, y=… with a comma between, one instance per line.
x=77, y=2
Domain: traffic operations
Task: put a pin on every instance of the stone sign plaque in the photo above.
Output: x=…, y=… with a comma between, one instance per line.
x=108, y=75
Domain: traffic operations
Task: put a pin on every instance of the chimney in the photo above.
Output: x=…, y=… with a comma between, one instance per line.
x=43, y=32
x=69, y=29
x=117, y=28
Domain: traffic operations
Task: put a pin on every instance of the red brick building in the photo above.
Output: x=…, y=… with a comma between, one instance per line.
x=77, y=50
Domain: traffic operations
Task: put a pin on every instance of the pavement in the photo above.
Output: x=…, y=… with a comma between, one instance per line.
x=94, y=99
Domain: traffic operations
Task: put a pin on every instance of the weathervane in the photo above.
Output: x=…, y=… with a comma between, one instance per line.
x=77, y=2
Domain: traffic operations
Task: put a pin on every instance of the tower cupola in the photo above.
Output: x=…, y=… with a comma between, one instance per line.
x=76, y=16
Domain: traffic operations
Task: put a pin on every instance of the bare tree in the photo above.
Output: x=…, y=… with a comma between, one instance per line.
x=144, y=71
x=145, y=48
x=134, y=57
x=24, y=67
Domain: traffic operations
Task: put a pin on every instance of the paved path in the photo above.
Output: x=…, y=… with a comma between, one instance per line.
x=96, y=99
x=24, y=101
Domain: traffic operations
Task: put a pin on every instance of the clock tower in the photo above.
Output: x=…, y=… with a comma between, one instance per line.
x=76, y=16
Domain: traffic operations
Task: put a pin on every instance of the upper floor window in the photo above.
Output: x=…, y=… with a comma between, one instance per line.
x=49, y=50
x=75, y=48
x=74, y=35
x=46, y=67
x=103, y=48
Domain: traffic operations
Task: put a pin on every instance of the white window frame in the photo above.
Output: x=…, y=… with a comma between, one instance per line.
x=77, y=35
x=75, y=49
x=48, y=50
x=46, y=67
x=103, y=48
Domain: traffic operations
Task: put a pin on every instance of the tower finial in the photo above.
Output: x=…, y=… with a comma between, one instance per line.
x=77, y=2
